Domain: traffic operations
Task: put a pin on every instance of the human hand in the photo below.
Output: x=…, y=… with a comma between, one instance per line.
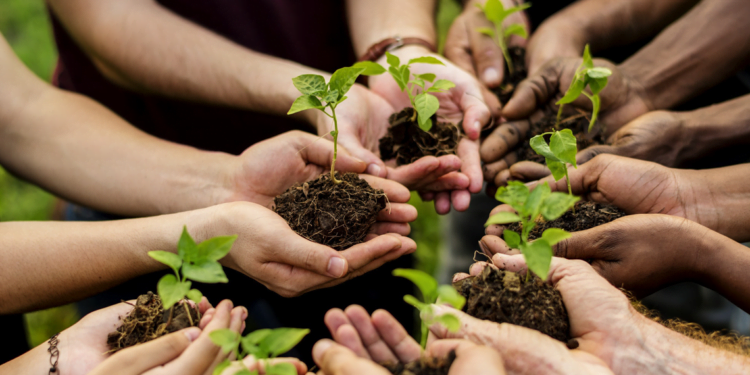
x=334, y=359
x=477, y=53
x=268, y=251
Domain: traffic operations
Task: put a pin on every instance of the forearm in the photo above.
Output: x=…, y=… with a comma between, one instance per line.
x=722, y=266
x=717, y=126
x=47, y=264
x=373, y=21
x=145, y=47
x=698, y=51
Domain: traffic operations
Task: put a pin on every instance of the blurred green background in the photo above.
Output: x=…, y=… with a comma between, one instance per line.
x=25, y=25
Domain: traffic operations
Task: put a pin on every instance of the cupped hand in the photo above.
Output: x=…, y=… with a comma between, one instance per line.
x=268, y=251
x=334, y=359
x=470, y=358
x=641, y=253
x=475, y=52
x=553, y=39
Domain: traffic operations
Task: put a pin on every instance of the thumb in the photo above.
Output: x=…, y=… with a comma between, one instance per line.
x=311, y=256
x=580, y=245
x=476, y=113
x=354, y=147
x=141, y=358
x=532, y=92
x=593, y=151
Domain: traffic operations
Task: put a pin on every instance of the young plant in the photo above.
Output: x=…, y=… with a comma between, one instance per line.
x=196, y=262
x=562, y=149
x=496, y=13
x=530, y=206
x=432, y=293
x=586, y=75
x=317, y=94
x=424, y=105
x=263, y=344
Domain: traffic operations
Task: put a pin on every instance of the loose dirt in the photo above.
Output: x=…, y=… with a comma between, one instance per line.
x=425, y=366
x=511, y=81
x=406, y=142
x=578, y=123
x=586, y=215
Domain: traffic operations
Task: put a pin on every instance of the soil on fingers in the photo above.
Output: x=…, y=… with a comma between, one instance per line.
x=425, y=366
x=406, y=141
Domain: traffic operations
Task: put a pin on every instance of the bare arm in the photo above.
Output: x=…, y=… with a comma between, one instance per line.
x=373, y=21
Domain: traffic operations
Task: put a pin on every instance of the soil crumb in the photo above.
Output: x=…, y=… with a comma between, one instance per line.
x=510, y=81
x=578, y=123
x=149, y=321
x=335, y=215
x=425, y=366
x=406, y=142
x=507, y=297
x=586, y=215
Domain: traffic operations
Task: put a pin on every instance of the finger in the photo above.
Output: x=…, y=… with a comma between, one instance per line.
x=395, y=336
x=253, y=364
x=203, y=352
x=460, y=200
x=493, y=103
x=474, y=359
x=502, y=178
x=528, y=171
x=585, y=244
x=532, y=92
x=471, y=165
x=487, y=57
x=352, y=147
x=426, y=196
x=398, y=213
x=496, y=229
x=593, y=151
x=141, y=358
x=442, y=202
x=349, y=337
x=204, y=305
x=334, y=359
x=503, y=140
x=513, y=263
x=460, y=276
x=395, y=192
x=448, y=182
x=477, y=267
x=302, y=253
x=492, y=245
x=476, y=113
x=360, y=255
x=207, y=316
x=457, y=45
x=375, y=346
x=491, y=170
x=319, y=151
x=426, y=169
x=386, y=227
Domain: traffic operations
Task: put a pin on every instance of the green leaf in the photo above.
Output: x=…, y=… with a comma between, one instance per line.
x=503, y=217
x=396, y=74
x=195, y=295
x=245, y=371
x=426, y=284
x=494, y=11
x=556, y=204
x=186, y=246
x=512, y=239
x=598, y=72
x=370, y=68
x=222, y=366
x=171, y=259
x=331, y=97
x=587, y=60
x=574, y=91
x=537, y=196
x=487, y=31
x=250, y=343
x=208, y=271
x=596, y=104
x=215, y=248
x=426, y=60
x=392, y=59
x=171, y=290
x=516, y=29
x=515, y=9
x=309, y=84
x=426, y=106
x=225, y=338
x=450, y=321
x=282, y=340
x=538, y=255
x=564, y=145
x=540, y=146
x=557, y=168
x=448, y=294
x=597, y=84
x=343, y=79
x=283, y=368
x=418, y=82
x=555, y=235
x=421, y=306
x=441, y=85
x=515, y=195
x=429, y=77
x=405, y=73
x=305, y=102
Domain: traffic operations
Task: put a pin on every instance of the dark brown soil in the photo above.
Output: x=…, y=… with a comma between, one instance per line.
x=511, y=81
x=507, y=297
x=406, y=142
x=148, y=321
x=335, y=215
x=578, y=123
x=425, y=366
x=585, y=216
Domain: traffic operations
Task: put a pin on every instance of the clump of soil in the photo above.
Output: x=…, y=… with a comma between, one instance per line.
x=585, y=215
x=578, y=123
x=335, y=215
x=407, y=142
x=425, y=366
x=149, y=321
x=507, y=297
x=510, y=81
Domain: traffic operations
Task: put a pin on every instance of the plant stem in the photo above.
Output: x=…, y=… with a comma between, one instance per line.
x=504, y=48
x=559, y=115
x=335, y=134
x=423, y=339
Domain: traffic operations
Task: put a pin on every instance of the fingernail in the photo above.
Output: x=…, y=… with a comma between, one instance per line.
x=320, y=348
x=491, y=75
x=484, y=248
x=477, y=126
x=192, y=333
x=336, y=267
x=374, y=170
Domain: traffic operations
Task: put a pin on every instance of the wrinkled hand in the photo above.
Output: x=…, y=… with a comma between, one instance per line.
x=553, y=39
x=268, y=251
x=477, y=53
x=464, y=103
x=641, y=253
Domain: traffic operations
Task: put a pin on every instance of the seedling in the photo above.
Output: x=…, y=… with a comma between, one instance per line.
x=317, y=94
x=432, y=293
x=530, y=207
x=586, y=75
x=496, y=13
x=562, y=149
x=196, y=262
x=263, y=344
x=425, y=105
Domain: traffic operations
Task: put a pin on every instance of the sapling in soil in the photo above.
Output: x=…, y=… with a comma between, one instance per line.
x=263, y=345
x=156, y=315
x=415, y=131
x=560, y=151
x=336, y=212
x=586, y=75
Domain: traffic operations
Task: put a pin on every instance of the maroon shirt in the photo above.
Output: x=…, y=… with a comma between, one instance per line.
x=313, y=33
